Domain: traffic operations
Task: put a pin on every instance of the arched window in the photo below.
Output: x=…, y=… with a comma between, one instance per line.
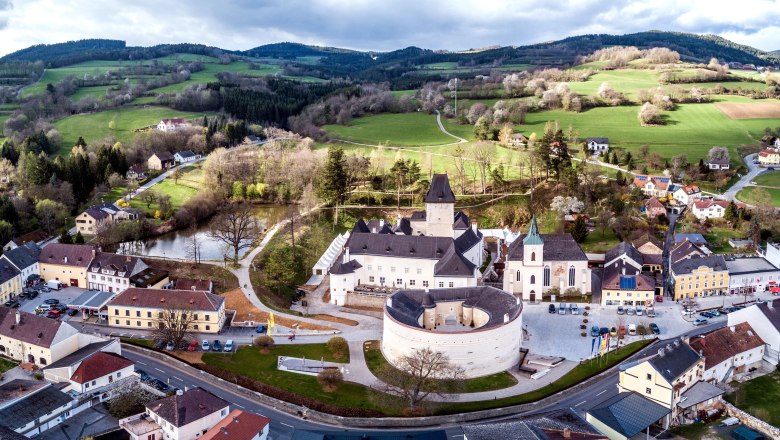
x=533, y=256
x=546, y=276
x=572, y=272
x=533, y=279
x=519, y=276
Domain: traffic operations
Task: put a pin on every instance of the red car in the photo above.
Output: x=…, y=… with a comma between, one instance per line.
x=659, y=298
x=193, y=346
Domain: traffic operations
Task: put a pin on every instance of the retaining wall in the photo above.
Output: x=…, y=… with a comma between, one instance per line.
x=356, y=299
x=752, y=422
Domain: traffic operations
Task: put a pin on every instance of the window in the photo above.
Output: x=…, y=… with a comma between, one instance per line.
x=118, y=374
x=519, y=276
x=411, y=282
x=116, y=321
x=546, y=276
x=392, y=269
x=572, y=273
x=195, y=316
x=137, y=313
x=451, y=284
x=148, y=314
x=196, y=326
x=127, y=312
x=533, y=256
x=138, y=323
x=648, y=391
x=208, y=327
x=379, y=268
x=208, y=317
x=371, y=279
x=382, y=280
x=116, y=311
x=399, y=281
x=441, y=284
x=533, y=279
x=369, y=267
x=406, y=270
x=149, y=324
x=425, y=284
x=43, y=361
x=419, y=271
x=649, y=376
x=127, y=322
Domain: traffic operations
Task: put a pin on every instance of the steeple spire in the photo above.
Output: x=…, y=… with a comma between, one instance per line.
x=533, y=236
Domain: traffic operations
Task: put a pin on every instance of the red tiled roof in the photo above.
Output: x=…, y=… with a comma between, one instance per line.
x=98, y=365
x=767, y=152
x=33, y=329
x=690, y=189
x=661, y=183
x=238, y=425
x=704, y=204
x=167, y=298
x=724, y=343
x=78, y=255
x=653, y=202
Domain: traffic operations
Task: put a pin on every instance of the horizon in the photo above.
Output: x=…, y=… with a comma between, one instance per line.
x=362, y=26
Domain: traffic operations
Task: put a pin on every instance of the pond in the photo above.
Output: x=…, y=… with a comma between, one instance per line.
x=178, y=244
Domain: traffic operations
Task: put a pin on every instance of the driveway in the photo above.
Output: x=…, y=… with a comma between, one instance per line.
x=753, y=171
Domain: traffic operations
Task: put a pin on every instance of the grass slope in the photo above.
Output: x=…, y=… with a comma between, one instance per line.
x=759, y=397
x=407, y=129
x=747, y=195
x=186, y=188
x=771, y=178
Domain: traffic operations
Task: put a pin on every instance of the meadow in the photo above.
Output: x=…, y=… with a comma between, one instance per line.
x=186, y=188
x=406, y=129
x=771, y=178
x=748, y=195
x=94, y=126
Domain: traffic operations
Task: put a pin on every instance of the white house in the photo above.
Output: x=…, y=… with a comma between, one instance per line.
x=729, y=352
x=31, y=407
x=764, y=319
x=173, y=124
x=650, y=186
x=239, y=425
x=187, y=415
x=597, y=144
x=112, y=272
x=703, y=209
x=751, y=274
x=687, y=194
x=101, y=370
x=186, y=156
x=25, y=259
x=536, y=263
x=718, y=164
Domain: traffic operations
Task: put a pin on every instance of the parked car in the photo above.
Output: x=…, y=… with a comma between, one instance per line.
x=686, y=312
x=158, y=344
x=659, y=298
x=52, y=301
x=216, y=345
x=723, y=311
x=613, y=331
x=700, y=321
x=550, y=310
x=44, y=289
x=54, y=285
x=603, y=331
x=13, y=303
x=73, y=312
x=229, y=346
x=261, y=328
x=621, y=310
x=193, y=346
x=562, y=309
x=654, y=328
x=651, y=313
x=159, y=385
x=574, y=309
x=706, y=314
x=61, y=307
x=594, y=331
x=54, y=314
x=170, y=346
x=622, y=330
x=204, y=345
x=639, y=311
x=32, y=295
x=715, y=313
x=632, y=329
x=630, y=311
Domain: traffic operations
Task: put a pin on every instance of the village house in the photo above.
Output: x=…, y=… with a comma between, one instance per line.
x=771, y=141
x=627, y=416
x=183, y=416
x=160, y=161
x=651, y=251
x=89, y=221
x=764, y=320
x=30, y=407
x=66, y=263
x=112, y=272
x=552, y=425
x=185, y=156
x=769, y=158
x=721, y=164
x=141, y=308
x=136, y=172
x=665, y=377
x=518, y=140
x=62, y=370
x=10, y=281
x=626, y=279
x=103, y=373
x=239, y=425
x=729, y=352
x=687, y=194
x=654, y=207
x=597, y=144
x=173, y=124
x=696, y=275
x=150, y=278
x=25, y=259
x=650, y=186
x=710, y=208
x=752, y=274
x=37, y=236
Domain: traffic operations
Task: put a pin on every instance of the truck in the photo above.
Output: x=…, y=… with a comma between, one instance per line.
x=53, y=284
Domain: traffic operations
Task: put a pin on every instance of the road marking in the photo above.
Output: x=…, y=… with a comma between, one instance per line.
x=597, y=395
x=161, y=371
x=285, y=424
x=580, y=403
x=240, y=406
x=177, y=379
x=139, y=362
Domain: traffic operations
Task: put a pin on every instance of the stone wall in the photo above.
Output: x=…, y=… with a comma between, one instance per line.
x=751, y=422
x=356, y=299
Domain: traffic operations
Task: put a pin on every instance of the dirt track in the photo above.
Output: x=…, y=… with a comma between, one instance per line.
x=752, y=110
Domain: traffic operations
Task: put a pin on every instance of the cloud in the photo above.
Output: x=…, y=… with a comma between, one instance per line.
x=377, y=25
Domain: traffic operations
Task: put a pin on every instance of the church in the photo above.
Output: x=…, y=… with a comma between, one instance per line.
x=435, y=248
x=537, y=262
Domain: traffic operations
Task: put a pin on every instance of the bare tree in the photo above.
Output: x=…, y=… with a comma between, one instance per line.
x=483, y=153
x=194, y=245
x=148, y=197
x=330, y=378
x=460, y=166
x=420, y=374
x=177, y=173
x=237, y=227
x=173, y=324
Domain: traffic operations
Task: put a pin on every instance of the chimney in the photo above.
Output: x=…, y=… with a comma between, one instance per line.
x=566, y=433
x=733, y=329
x=373, y=230
x=474, y=226
x=661, y=352
x=389, y=301
x=65, y=259
x=93, y=253
x=346, y=254
x=18, y=317
x=624, y=270
x=506, y=317
x=179, y=392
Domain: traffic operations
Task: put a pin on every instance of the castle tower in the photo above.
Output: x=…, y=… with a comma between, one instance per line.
x=439, y=207
x=533, y=246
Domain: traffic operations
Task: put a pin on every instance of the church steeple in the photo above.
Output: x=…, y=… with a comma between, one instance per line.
x=533, y=237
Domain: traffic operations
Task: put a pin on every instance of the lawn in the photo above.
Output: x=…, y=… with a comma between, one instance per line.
x=747, y=195
x=376, y=361
x=759, y=397
x=186, y=188
x=249, y=362
x=718, y=238
x=94, y=126
x=577, y=375
x=628, y=81
x=405, y=129
x=599, y=242
x=7, y=364
x=771, y=178
x=209, y=74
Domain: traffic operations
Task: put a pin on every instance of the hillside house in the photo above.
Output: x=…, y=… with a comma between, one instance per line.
x=518, y=140
x=654, y=207
x=764, y=320
x=687, y=194
x=769, y=158
x=112, y=272
x=136, y=172
x=718, y=164
x=93, y=217
x=140, y=308
x=37, y=236
x=185, y=156
x=160, y=161
x=66, y=263
x=597, y=144
x=703, y=209
x=653, y=186
x=173, y=124
x=729, y=352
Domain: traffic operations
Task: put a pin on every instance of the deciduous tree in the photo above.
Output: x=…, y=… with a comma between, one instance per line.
x=236, y=227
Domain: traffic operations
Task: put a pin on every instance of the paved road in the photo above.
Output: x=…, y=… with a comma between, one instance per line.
x=444, y=130
x=753, y=171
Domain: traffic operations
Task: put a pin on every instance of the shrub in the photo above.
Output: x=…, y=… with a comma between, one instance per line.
x=583, y=326
x=338, y=346
x=583, y=334
x=264, y=343
x=330, y=379
x=584, y=321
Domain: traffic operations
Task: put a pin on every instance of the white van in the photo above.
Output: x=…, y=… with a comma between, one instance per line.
x=632, y=329
x=53, y=284
x=228, y=345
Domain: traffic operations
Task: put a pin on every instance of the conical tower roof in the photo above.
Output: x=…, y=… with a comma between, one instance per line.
x=533, y=236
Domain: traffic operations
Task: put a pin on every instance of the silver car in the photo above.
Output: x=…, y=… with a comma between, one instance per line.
x=574, y=309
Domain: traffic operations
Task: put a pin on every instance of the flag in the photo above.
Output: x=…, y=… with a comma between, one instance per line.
x=271, y=322
x=604, y=344
x=592, y=345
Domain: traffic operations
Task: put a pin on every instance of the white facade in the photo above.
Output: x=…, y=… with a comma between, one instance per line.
x=745, y=359
x=185, y=159
x=104, y=381
x=528, y=280
x=712, y=209
x=686, y=197
x=763, y=327
x=438, y=219
x=593, y=145
x=190, y=431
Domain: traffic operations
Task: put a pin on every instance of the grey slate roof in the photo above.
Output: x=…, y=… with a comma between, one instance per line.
x=79, y=355
x=538, y=427
x=407, y=246
x=684, y=249
x=9, y=434
x=461, y=221
x=339, y=268
x=23, y=256
x=687, y=265
x=164, y=156
x=440, y=191
x=701, y=391
x=403, y=226
x=598, y=140
x=407, y=305
x=771, y=313
x=186, y=154
x=557, y=247
x=696, y=239
x=677, y=358
x=468, y=240
x=181, y=410
x=418, y=216
x=629, y=413
x=372, y=226
x=454, y=264
x=7, y=271
x=624, y=248
x=32, y=407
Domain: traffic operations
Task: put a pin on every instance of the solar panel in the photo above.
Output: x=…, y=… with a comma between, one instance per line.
x=627, y=282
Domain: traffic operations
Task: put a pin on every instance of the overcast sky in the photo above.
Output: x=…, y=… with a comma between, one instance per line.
x=376, y=25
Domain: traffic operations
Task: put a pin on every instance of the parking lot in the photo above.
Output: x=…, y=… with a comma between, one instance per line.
x=63, y=295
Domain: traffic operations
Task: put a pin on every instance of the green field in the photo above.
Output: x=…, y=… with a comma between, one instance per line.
x=406, y=129
x=186, y=188
x=768, y=178
x=758, y=397
x=626, y=81
x=208, y=74
x=747, y=195
x=94, y=126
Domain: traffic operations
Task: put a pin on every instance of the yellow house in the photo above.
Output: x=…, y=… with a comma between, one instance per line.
x=160, y=161
x=26, y=337
x=141, y=308
x=10, y=281
x=665, y=377
x=66, y=263
x=697, y=276
x=769, y=157
x=624, y=285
